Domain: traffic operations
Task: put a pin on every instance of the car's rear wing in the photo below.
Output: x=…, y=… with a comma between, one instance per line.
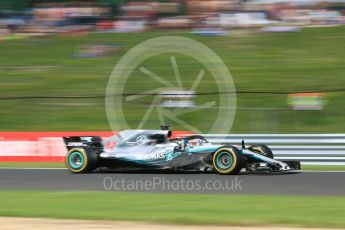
x=84, y=141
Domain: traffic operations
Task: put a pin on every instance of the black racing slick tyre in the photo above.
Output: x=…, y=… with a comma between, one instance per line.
x=228, y=160
x=81, y=160
x=263, y=150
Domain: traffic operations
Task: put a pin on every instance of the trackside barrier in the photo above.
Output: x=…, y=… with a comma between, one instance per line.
x=310, y=149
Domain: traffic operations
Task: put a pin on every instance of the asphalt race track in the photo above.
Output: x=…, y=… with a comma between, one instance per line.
x=304, y=183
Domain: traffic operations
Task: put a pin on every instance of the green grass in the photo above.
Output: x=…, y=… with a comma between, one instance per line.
x=310, y=211
x=312, y=59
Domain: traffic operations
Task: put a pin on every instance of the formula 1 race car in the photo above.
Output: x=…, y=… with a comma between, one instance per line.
x=152, y=149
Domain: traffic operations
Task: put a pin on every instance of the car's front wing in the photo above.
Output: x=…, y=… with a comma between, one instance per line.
x=275, y=165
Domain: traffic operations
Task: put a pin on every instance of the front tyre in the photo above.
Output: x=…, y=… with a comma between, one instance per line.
x=228, y=160
x=81, y=160
x=263, y=150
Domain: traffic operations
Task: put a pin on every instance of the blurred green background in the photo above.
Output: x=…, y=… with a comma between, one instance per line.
x=277, y=63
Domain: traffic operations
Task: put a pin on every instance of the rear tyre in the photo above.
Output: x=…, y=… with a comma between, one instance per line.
x=228, y=160
x=81, y=160
x=263, y=150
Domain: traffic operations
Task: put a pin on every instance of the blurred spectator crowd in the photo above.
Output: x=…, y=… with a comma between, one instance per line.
x=202, y=16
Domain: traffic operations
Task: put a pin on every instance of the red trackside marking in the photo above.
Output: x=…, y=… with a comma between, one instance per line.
x=32, y=159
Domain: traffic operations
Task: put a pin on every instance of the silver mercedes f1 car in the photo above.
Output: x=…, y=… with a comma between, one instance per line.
x=155, y=149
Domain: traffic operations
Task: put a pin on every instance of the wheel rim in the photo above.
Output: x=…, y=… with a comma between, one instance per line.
x=224, y=160
x=76, y=160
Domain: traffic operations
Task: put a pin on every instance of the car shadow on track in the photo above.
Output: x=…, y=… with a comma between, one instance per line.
x=172, y=172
